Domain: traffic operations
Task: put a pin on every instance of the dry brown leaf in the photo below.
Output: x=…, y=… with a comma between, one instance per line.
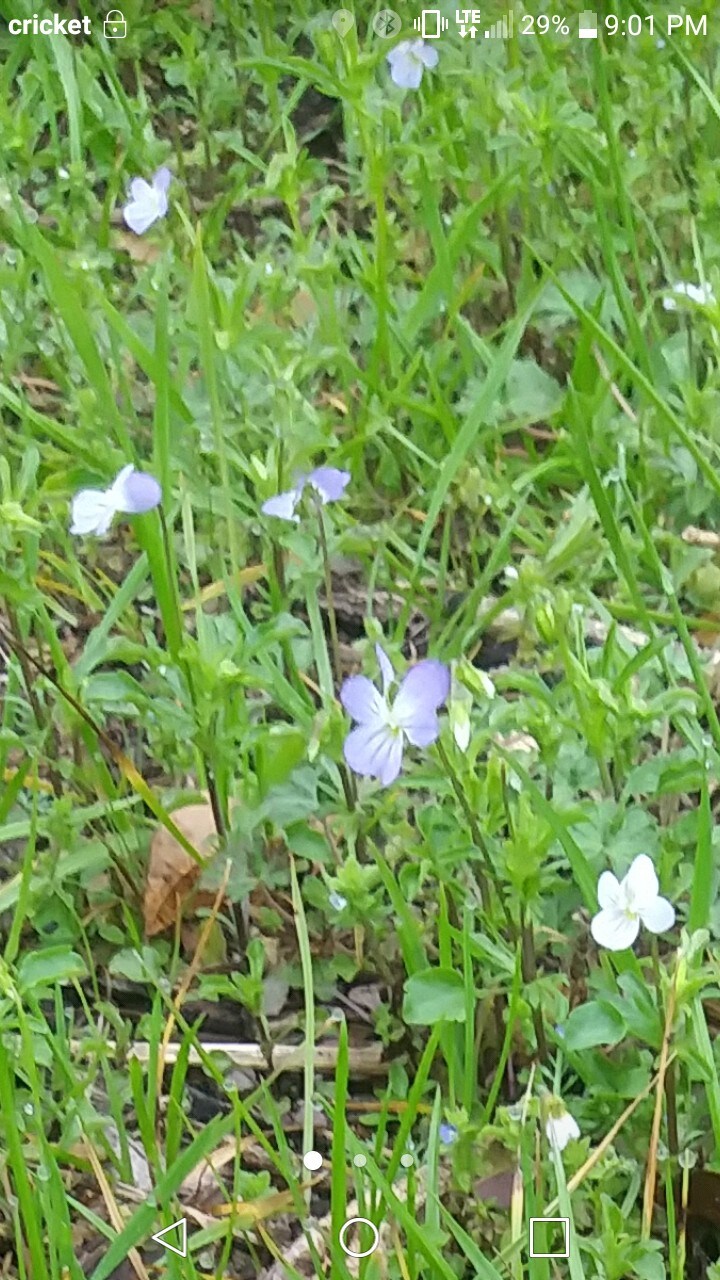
x=136, y=247
x=204, y=1185
x=303, y=308
x=204, y=11
x=172, y=873
x=247, y=1213
x=701, y=537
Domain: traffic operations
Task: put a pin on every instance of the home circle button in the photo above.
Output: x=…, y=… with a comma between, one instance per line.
x=359, y=1222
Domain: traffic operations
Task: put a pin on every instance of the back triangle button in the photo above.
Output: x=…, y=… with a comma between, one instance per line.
x=180, y=1249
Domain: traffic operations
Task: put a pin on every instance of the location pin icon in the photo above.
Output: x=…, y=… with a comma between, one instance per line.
x=343, y=21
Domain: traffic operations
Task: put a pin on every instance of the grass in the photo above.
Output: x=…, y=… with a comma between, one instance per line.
x=457, y=295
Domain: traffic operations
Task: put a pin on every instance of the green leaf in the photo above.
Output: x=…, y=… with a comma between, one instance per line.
x=593, y=1024
x=531, y=392
x=467, y=437
x=45, y=968
x=434, y=995
x=143, y=965
x=702, y=896
x=113, y=687
x=64, y=295
x=278, y=752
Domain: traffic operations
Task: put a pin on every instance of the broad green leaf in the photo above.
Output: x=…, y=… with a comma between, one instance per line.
x=593, y=1024
x=45, y=968
x=434, y=995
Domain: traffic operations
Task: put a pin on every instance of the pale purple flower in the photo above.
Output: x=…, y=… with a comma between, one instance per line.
x=131, y=493
x=408, y=61
x=328, y=483
x=625, y=903
x=148, y=201
x=447, y=1133
x=375, y=748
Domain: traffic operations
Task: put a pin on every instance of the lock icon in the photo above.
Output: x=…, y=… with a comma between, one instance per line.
x=115, y=27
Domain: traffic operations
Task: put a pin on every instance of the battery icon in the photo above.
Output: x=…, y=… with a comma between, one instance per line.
x=588, y=29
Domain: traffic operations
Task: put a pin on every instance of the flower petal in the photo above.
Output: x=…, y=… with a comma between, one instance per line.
x=659, y=916
x=424, y=689
x=329, y=482
x=421, y=733
x=608, y=890
x=92, y=511
x=140, y=492
x=386, y=668
x=614, y=929
x=363, y=701
x=428, y=53
x=562, y=1129
x=406, y=67
x=701, y=294
x=118, y=484
x=141, y=190
x=407, y=74
x=399, y=52
x=140, y=214
x=162, y=178
x=282, y=505
x=641, y=885
x=373, y=750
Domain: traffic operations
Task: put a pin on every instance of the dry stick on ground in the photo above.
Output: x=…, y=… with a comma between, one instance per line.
x=615, y=391
x=651, y=1175
x=299, y=1253
x=599, y=1151
x=113, y=1212
x=191, y=972
x=364, y=1060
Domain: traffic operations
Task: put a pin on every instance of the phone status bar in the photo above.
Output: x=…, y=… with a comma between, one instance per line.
x=474, y=24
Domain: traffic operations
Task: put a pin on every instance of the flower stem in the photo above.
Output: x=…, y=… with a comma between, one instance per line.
x=332, y=617
x=219, y=813
x=278, y=594
x=478, y=838
x=43, y=721
x=348, y=783
x=529, y=973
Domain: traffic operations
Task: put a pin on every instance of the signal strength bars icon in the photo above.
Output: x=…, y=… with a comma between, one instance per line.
x=501, y=30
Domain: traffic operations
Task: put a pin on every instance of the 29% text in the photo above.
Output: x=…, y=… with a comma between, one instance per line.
x=552, y=23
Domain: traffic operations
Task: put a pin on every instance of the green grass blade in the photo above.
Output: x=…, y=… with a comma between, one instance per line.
x=701, y=898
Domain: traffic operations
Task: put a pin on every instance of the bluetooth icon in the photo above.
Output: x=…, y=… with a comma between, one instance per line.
x=387, y=23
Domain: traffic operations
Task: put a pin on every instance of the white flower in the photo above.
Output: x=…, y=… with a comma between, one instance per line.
x=701, y=294
x=560, y=1126
x=148, y=201
x=625, y=903
x=131, y=492
x=408, y=61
